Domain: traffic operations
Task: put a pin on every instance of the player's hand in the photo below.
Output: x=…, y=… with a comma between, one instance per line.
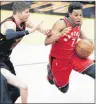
x=48, y=32
x=65, y=31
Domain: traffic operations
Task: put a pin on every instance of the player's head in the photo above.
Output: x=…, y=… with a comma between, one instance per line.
x=21, y=9
x=75, y=12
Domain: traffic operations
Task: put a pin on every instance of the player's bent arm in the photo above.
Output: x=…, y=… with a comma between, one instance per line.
x=51, y=39
x=55, y=32
x=13, y=80
x=9, y=30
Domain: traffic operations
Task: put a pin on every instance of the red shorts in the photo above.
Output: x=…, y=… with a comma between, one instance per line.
x=61, y=69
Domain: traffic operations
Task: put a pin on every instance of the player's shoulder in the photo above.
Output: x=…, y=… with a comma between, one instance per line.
x=9, y=25
x=8, y=20
x=61, y=22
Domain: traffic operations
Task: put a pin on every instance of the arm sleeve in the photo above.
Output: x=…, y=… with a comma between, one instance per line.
x=11, y=34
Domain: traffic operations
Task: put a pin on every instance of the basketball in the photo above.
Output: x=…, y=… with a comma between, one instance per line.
x=84, y=48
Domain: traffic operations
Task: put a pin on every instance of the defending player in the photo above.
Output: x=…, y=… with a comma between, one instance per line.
x=12, y=32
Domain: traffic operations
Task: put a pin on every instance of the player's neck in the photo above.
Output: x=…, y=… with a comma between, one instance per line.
x=17, y=19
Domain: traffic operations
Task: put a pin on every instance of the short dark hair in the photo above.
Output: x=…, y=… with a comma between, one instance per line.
x=19, y=6
x=75, y=5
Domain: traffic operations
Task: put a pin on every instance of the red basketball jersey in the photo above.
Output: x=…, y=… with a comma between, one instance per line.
x=64, y=47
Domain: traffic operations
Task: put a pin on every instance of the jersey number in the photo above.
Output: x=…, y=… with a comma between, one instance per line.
x=73, y=41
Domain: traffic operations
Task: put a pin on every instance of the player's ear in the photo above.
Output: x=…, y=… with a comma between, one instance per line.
x=70, y=14
x=19, y=13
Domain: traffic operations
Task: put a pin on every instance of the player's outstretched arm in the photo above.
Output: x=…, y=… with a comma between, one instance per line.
x=34, y=25
x=13, y=80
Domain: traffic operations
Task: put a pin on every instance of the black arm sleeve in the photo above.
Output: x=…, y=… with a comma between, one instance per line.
x=11, y=34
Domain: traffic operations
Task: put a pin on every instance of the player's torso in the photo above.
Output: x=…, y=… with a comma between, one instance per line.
x=6, y=46
x=64, y=47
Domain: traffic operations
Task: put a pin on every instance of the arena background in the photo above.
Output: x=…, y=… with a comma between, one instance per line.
x=54, y=8
x=30, y=57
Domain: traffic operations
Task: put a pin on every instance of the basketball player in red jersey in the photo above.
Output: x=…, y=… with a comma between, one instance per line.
x=62, y=58
x=12, y=30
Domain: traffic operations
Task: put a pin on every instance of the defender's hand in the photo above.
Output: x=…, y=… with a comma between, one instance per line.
x=48, y=32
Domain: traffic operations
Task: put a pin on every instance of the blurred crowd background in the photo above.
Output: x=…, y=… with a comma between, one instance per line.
x=54, y=7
